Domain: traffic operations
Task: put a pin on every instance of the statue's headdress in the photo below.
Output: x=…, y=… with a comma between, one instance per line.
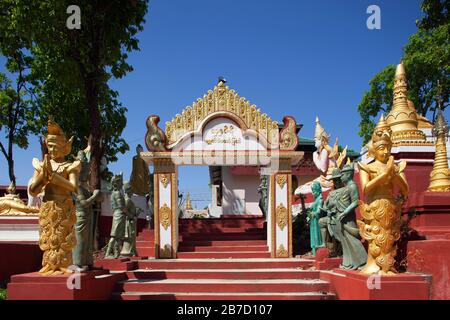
x=116, y=181
x=320, y=132
x=381, y=136
x=12, y=188
x=56, y=134
x=84, y=172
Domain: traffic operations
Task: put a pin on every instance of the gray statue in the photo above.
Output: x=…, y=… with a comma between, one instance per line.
x=340, y=207
x=132, y=213
x=119, y=218
x=262, y=190
x=326, y=223
x=354, y=254
x=83, y=252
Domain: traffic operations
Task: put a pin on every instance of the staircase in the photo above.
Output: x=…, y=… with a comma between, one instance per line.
x=223, y=238
x=224, y=259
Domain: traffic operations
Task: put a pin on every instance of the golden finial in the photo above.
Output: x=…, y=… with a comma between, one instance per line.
x=440, y=175
x=400, y=70
x=188, y=202
x=403, y=119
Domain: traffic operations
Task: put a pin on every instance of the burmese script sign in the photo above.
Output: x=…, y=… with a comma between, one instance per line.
x=225, y=135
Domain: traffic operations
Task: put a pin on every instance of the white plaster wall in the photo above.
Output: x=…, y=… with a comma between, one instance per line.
x=165, y=236
x=240, y=188
x=269, y=215
x=19, y=232
x=281, y=197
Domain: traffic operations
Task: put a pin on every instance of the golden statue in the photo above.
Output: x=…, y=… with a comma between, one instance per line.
x=140, y=174
x=381, y=213
x=57, y=177
x=326, y=158
x=11, y=204
x=440, y=175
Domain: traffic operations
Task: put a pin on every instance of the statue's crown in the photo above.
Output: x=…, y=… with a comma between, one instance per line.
x=320, y=132
x=382, y=133
x=53, y=128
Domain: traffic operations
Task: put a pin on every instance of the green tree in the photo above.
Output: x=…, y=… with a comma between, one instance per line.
x=73, y=67
x=427, y=61
x=16, y=111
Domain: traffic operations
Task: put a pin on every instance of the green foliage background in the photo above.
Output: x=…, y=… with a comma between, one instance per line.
x=427, y=61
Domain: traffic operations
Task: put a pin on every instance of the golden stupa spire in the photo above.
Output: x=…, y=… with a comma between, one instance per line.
x=440, y=175
x=403, y=119
x=188, y=202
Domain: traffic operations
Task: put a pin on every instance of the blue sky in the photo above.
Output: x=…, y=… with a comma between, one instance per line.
x=300, y=58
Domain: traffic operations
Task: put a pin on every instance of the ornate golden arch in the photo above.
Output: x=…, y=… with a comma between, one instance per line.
x=220, y=100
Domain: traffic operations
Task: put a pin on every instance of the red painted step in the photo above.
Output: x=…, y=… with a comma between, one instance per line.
x=246, y=274
x=146, y=251
x=214, y=229
x=224, y=263
x=185, y=248
x=222, y=223
x=223, y=296
x=225, y=236
x=223, y=242
x=217, y=285
x=222, y=255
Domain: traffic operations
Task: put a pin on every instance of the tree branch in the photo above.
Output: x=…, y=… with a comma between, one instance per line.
x=3, y=150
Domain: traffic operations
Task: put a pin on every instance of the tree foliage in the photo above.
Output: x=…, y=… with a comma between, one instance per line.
x=17, y=96
x=73, y=67
x=427, y=61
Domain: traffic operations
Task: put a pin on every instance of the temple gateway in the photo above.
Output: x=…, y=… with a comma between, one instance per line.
x=243, y=148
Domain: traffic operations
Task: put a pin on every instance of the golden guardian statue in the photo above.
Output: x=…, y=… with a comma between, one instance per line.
x=381, y=210
x=57, y=178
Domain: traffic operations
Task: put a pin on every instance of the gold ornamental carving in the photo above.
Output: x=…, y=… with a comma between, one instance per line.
x=165, y=179
x=166, y=252
x=165, y=214
x=282, y=252
x=281, y=180
x=281, y=216
x=221, y=99
x=288, y=136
